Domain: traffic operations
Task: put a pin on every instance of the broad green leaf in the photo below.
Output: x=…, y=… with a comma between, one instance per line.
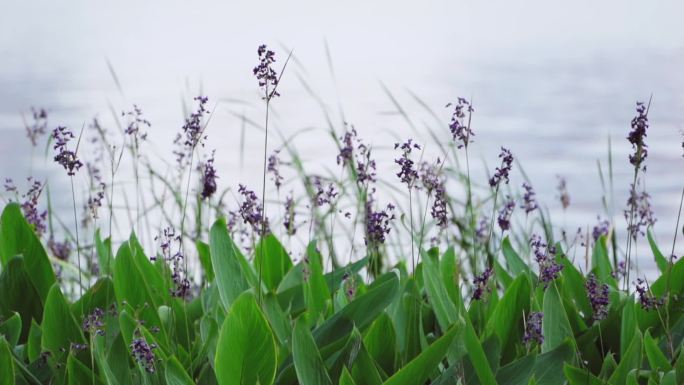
x=670, y=378
x=17, y=237
x=204, y=253
x=79, y=374
x=60, y=328
x=11, y=329
x=346, y=378
x=517, y=372
x=660, y=259
x=380, y=342
x=230, y=277
x=629, y=325
x=6, y=363
x=601, y=262
x=630, y=360
x=445, y=310
x=577, y=376
x=19, y=295
x=246, y=350
x=104, y=253
x=656, y=358
x=417, y=371
x=175, y=373
x=548, y=368
x=364, y=369
x=555, y=324
x=33, y=348
x=316, y=291
x=276, y=261
x=507, y=316
x=515, y=263
x=307, y=359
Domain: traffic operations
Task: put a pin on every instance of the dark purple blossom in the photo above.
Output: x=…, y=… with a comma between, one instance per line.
x=646, y=298
x=346, y=154
x=481, y=283
x=167, y=239
x=323, y=194
x=193, y=132
x=65, y=157
x=563, y=192
x=289, y=219
x=408, y=173
x=598, y=297
x=378, y=223
x=501, y=173
x=637, y=135
x=9, y=185
x=38, y=127
x=209, y=177
x=142, y=352
x=544, y=254
x=602, y=228
x=638, y=212
x=533, y=328
x=529, y=203
x=265, y=74
x=252, y=212
x=460, y=130
x=33, y=215
x=60, y=250
x=93, y=323
x=504, y=218
x=97, y=192
x=136, y=123
x=273, y=168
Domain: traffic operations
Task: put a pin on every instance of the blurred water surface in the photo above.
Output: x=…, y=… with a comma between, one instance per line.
x=550, y=81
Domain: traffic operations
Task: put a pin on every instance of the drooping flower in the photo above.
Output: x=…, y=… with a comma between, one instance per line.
x=598, y=297
x=637, y=135
x=544, y=254
x=504, y=218
x=265, y=74
x=65, y=157
x=563, y=192
x=646, y=298
x=407, y=173
x=209, y=177
x=481, y=283
x=501, y=173
x=460, y=130
x=529, y=203
x=533, y=328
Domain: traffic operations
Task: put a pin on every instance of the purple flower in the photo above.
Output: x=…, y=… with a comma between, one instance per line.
x=461, y=132
x=501, y=173
x=323, y=195
x=93, y=323
x=193, y=132
x=345, y=156
x=65, y=157
x=481, y=283
x=378, y=223
x=620, y=270
x=637, y=134
x=563, y=192
x=638, y=212
x=602, y=228
x=533, y=328
x=482, y=230
x=365, y=166
x=646, y=298
x=38, y=127
x=433, y=181
x=598, y=296
x=504, y=218
x=289, y=220
x=169, y=238
x=142, y=352
x=544, y=254
x=60, y=250
x=529, y=203
x=209, y=177
x=252, y=212
x=33, y=215
x=407, y=174
x=265, y=74
x=94, y=201
x=135, y=124
x=273, y=167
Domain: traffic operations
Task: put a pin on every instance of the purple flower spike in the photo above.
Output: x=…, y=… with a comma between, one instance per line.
x=142, y=352
x=481, y=283
x=209, y=177
x=460, y=130
x=646, y=298
x=529, y=203
x=544, y=254
x=65, y=157
x=501, y=173
x=533, y=328
x=504, y=218
x=38, y=127
x=408, y=174
x=289, y=220
x=378, y=223
x=637, y=134
x=252, y=212
x=598, y=296
x=563, y=194
x=265, y=74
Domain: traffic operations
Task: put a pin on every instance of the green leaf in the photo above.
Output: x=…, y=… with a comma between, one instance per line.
x=601, y=262
x=204, y=253
x=225, y=258
x=19, y=295
x=246, y=350
x=104, y=253
x=419, y=369
x=79, y=374
x=346, y=378
x=548, y=368
x=670, y=378
x=277, y=261
x=656, y=358
x=515, y=263
x=11, y=329
x=33, y=348
x=17, y=237
x=380, y=342
x=630, y=360
x=517, y=372
x=6, y=363
x=60, y=328
x=628, y=327
x=175, y=373
x=555, y=324
x=316, y=291
x=577, y=376
x=507, y=315
x=307, y=359
x=445, y=310
x=660, y=259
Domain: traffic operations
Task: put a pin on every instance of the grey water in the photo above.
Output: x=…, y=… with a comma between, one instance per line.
x=551, y=81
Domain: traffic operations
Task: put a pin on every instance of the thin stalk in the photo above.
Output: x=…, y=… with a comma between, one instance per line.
x=78, y=247
x=413, y=257
x=669, y=274
x=263, y=195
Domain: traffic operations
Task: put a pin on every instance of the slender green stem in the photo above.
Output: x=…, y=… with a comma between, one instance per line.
x=78, y=245
x=263, y=196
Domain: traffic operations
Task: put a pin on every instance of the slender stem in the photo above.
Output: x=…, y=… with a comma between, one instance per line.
x=490, y=262
x=263, y=195
x=669, y=274
x=413, y=256
x=181, y=246
x=78, y=247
